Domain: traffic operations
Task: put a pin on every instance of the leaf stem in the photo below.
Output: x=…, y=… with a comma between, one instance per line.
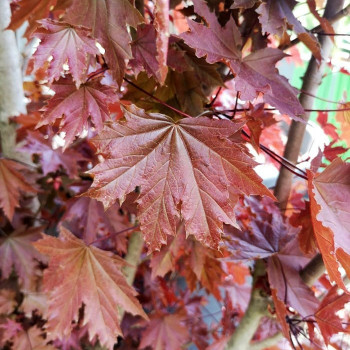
x=110, y=235
x=318, y=29
x=274, y=109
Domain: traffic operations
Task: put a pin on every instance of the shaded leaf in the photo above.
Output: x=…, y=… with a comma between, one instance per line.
x=52, y=160
x=16, y=251
x=12, y=184
x=245, y=4
x=108, y=20
x=7, y=301
x=144, y=51
x=165, y=332
x=32, y=339
x=283, y=273
x=86, y=215
x=76, y=106
x=275, y=240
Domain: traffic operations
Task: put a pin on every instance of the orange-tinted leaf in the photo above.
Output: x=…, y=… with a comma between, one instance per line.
x=329, y=195
x=12, y=184
x=343, y=118
x=189, y=165
x=16, y=251
x=79, y=274
x=325, y=24
x=65, y=43
x=281, y=313
x=326, y=317
x=31, y=11
x=306, y=235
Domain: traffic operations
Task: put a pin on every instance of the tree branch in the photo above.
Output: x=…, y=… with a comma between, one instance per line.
x=313, y=270
x=312, y=80
x=256, y=309
x=266, y=343
x=318, y=30
x=132, y=257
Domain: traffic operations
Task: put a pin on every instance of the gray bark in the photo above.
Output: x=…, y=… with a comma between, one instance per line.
x=11, y=89
x=312, y=80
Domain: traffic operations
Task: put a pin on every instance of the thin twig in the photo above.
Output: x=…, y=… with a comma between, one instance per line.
x=332, y=34
x=280, y=160
x=215, y=97
x=157, y=99
x=321, y=98
x=274, y=109
x=236, y=103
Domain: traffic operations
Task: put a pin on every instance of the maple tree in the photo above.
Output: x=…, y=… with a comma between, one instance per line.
x=130, y=200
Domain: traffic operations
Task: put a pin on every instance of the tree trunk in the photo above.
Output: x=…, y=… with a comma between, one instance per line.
x=311, y=81
x=11, y=89
x=241, y=338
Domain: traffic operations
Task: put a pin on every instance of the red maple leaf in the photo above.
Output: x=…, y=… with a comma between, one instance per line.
x=326, y=317
x=65, y=43
x=144, y=51
x=329, y=195
x=275, y=240
x=80, y=274
x=161, y=24
x=223, y=44
x=108, y=22
x=76, y=105
x=189, y=164
x=165, y=332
